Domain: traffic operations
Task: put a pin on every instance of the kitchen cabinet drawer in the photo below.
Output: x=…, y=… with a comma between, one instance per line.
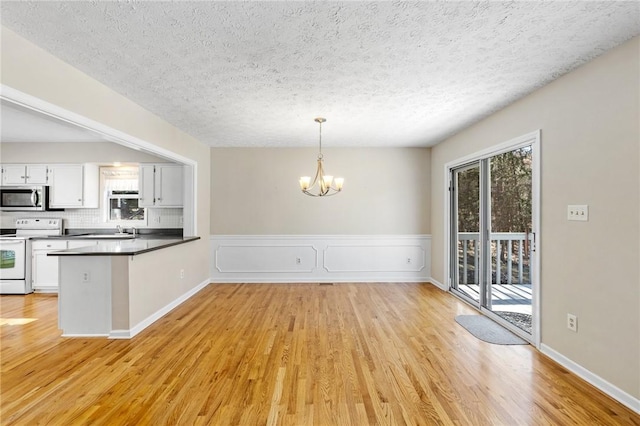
x=49, y=245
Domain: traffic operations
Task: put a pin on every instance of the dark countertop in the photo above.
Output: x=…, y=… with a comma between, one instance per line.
x=73, y=233
x=140, y=232
x=106, y=238
x=127, y=247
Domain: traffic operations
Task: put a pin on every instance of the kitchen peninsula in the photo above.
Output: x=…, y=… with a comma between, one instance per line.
x=108, y=289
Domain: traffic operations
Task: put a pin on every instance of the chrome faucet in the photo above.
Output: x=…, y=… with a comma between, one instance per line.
x=119, y=228
x=133, y=231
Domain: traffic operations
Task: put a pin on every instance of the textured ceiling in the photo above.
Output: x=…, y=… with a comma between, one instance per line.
x=382, y=73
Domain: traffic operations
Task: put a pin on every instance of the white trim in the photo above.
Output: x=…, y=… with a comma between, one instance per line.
x=119, y=334
x=613, y=391
x=536, y=194
x=359, y=279
x=309, y=258
x=112, y=135
x=501, y=148
x=307, y=237
x=190, y=209
x=438, y=284
x=83, y=335
x=128, y=334
x=533, y=139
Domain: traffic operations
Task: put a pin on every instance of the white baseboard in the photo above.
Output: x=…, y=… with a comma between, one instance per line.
x=44, y=290
x=597, y=381
x=83, y=335
x=128, y=334
x=438, y=284
x=320, y=258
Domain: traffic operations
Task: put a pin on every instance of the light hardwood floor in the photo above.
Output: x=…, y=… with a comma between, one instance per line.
x=290, y=354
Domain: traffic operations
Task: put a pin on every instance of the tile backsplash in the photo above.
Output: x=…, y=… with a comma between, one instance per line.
x=92, y=218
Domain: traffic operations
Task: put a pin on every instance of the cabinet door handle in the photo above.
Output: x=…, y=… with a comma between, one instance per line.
x=79, y=199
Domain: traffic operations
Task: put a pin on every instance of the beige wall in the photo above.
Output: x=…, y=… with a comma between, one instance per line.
x=72, y=152
x=256, y=192
x=590, y=155
x=29, y=69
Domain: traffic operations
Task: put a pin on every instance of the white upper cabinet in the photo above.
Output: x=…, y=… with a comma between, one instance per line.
x=161, y=185
x=24, y=174
x=66, y=186
x=73, y=186
x=169, y=186
x=146, y=185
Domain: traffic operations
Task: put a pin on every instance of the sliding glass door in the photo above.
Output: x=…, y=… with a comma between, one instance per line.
x=466, y=242
x=492, y=242
x=511, y=240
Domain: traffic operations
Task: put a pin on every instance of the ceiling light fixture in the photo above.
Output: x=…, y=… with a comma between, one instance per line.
x=327, y=185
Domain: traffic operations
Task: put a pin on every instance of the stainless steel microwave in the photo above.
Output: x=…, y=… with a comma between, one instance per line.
x=24, y=198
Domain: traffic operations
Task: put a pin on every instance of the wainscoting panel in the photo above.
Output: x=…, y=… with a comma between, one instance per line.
x=266, y=259
x=382, y=258
x=320, y=258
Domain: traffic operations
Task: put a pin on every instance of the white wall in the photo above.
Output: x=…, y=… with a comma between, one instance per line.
x=256, y=192
x=590, y=155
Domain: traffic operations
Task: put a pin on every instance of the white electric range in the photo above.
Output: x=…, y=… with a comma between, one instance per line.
x=15, y=252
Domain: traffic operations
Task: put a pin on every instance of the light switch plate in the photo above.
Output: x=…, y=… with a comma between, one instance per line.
x=578, y=212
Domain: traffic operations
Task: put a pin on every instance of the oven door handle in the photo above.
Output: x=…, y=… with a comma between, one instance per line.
x=7, y=242
x=34, y=198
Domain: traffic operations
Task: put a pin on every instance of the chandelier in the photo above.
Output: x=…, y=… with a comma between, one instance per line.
x=327, y=185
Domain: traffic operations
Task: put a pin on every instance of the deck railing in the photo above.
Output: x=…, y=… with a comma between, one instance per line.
x=510, y=257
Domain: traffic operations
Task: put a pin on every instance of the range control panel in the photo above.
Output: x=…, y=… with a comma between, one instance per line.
x=39, y=223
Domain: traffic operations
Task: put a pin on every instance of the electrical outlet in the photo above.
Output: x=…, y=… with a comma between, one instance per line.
x=572, y=322
x=181, y=273
x=408, y=260
x=578, y=212
x=86, y=277
x=298, y=260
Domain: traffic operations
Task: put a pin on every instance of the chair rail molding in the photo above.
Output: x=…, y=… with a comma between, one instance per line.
x=320, y=258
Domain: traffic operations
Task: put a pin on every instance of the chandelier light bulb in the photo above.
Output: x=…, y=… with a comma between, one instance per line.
x=304, y=182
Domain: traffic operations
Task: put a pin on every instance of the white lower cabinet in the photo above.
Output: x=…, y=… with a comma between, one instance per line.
x=44, y=269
